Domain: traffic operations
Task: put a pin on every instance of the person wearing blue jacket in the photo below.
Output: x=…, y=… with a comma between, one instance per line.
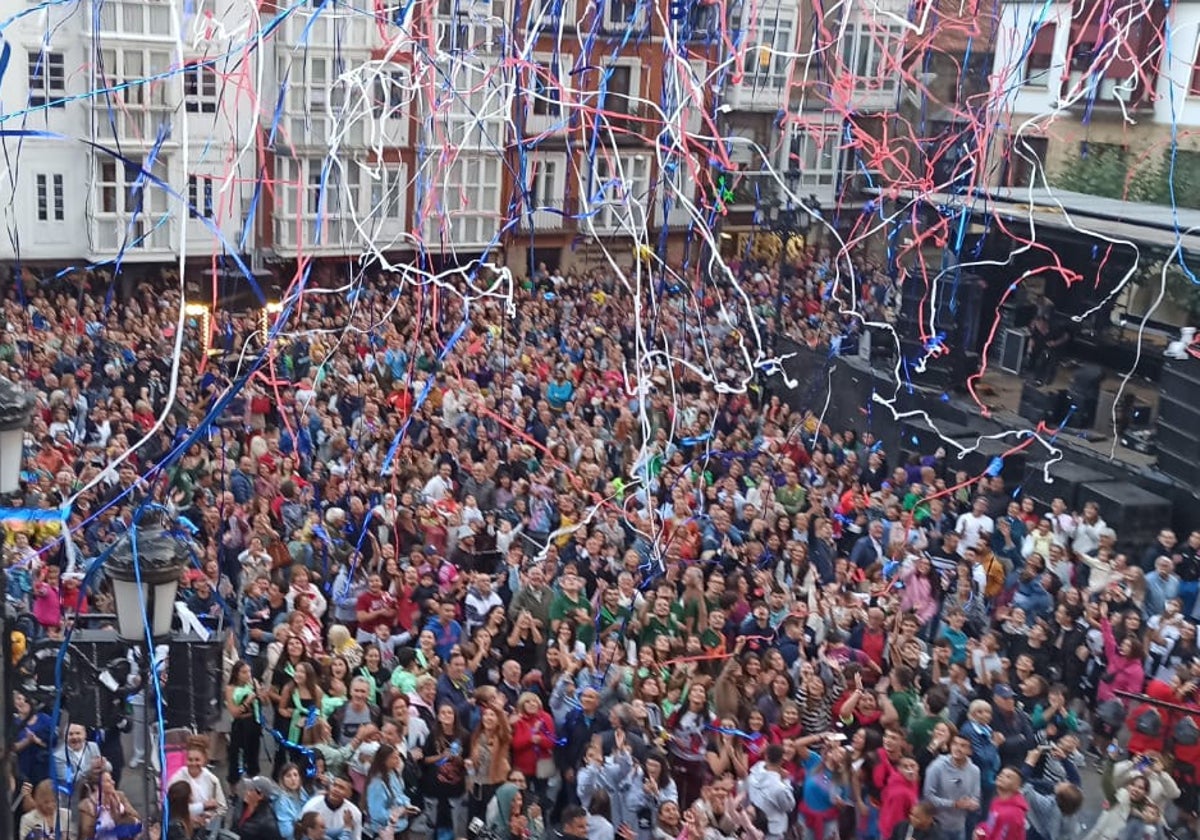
x=978, y=730
x=388, y=805
x=635, y=790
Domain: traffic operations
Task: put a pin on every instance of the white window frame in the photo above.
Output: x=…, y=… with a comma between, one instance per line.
x=864, y=55
x=546, y=183
x=816, y=149
x=302, y=197
x=120, y=182
x=473, y=107
x=390, y=86
x=617, y=197
x=50, y=199
x=816, y=143
x=389, y=193
x=200, y=88
x=47, y=78
x=200, y=196
x=126, y=71
x=301, y=203
x=542, y=16
x=138, y=98
x=676, y=184
x=1041, y=79
x=465, y=26
x=623, y=14
x=544, y=97
x=470, y=200
x=629, y=100
x=139, y=18
x=309, y=91
x=774, y=42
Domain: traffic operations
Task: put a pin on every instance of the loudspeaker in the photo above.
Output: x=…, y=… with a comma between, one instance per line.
x=956, y=309
x=1172, y=465
x=1086, y=380
x=87, y=701
x=1137, y=515
x=918, y=436
x=1183, y=443
x=1067, y=479
x=193, y=689
x=1178, y=423
x=1038, y=406
x=1083, y=397
x=979, y=461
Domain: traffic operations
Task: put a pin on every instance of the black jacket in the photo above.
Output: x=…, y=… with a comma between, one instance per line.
x=578, y=732
x=259, y=825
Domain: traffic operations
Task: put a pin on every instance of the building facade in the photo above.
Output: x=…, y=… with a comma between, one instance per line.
x=562, y=132
x=1070, y=81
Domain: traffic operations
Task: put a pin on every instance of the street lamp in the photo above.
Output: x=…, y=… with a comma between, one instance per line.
x=145, y=586
x=144, y=589
x=16, y=410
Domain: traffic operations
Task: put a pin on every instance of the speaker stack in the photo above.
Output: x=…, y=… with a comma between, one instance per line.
x=1083, y=396
x=1041, y=405
x=87, y=700
x=1067, y=481
x=1137, y=515
x=194, y=685
x=956, y=318
x=1178, y=426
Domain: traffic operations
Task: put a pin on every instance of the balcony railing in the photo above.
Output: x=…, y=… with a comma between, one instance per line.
x=135, y=125
x=1109, y=93
x=319, y=130
x=111, y=232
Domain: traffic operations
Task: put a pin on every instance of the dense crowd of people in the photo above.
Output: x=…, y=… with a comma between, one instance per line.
x=524, y=578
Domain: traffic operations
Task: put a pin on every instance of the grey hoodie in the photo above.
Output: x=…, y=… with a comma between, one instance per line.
x=945, y=784
x=769, y=793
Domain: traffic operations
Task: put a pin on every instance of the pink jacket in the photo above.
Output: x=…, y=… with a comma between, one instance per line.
x=1127, y=673
x=917, y=596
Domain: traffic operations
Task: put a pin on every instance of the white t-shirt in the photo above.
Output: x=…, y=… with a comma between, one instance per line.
x=34, y=826
x=335, y=821
x=1087, y=536
x=205, y=788
x=969, y=527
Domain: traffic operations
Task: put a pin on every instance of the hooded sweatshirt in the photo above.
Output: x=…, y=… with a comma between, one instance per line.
x=945, y=783
x=773, y=796
x=1006, y=818
x=499, y=810
x=895, y=801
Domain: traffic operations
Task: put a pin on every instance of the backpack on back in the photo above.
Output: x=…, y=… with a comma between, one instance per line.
x=1149, y=723
x=1187, y=733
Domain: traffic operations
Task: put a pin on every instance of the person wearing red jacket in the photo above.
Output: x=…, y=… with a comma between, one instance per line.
x=533, y=742
x=1142, y=741
x=898, y=796
x=1006, y=816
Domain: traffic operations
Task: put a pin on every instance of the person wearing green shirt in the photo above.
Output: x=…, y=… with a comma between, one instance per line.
x=930, y=713
x=660, y=622
x=792, y=495
x=904, y=695
x=572, y=605
x=612, y=615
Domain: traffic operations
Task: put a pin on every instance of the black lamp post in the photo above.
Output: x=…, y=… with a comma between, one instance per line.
x=16, y=410
x=144, y=587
